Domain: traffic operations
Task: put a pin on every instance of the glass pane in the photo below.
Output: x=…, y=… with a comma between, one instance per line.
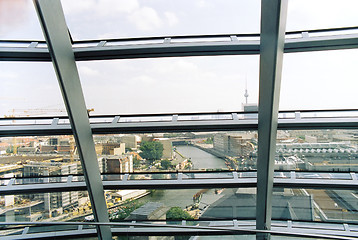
x=19, y=21
x=320, y=80
x=307, y=15
x=182, y=204
x=138, y=18
x=49, y=207
x=315, y=205
x=171, y=85
x=199, y=152
x=318, y=150
x=31, y=159
x=30, y=89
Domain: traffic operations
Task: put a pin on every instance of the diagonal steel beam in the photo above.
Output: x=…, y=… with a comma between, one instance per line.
x=273, y=23
x=54, y=27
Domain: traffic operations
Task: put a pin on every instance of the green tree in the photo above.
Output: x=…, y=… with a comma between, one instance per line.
x=209, y=140
x=176, y=213
x=10, y=149
x=151, y=150
x=136, y=161
x=166, y=164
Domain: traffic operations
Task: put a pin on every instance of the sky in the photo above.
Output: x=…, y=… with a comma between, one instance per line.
x=314, y=80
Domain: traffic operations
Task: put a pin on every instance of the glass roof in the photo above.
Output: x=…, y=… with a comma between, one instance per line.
x=321, y=14
x=171, y=85
x=103, y=19
x=19, y=21
x=29, y=89
x=320, y=80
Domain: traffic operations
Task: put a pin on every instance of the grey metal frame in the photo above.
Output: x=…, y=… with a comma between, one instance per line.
x=273, y=25
x=165, y=49
x=54, y=27
x=177, y=182
x=234, y=227
x=23, y=128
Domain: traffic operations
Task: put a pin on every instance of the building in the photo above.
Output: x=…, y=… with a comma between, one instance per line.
x=107, y=148
x=116, y=164
x=120, y=150
x=168, y=152
x=234, y=144
x=130, y=141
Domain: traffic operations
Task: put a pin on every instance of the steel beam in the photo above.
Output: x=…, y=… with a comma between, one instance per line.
x=273, y=24
x=10, y=129
x=323, y=183
x=54, y=27
x=233, y=227
x=241, y=47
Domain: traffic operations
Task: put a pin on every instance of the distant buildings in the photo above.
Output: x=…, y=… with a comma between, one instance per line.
x=234, y=144
x=33, y=206
x=168, y=152
x=130, y=141
x=116, y=164
x=106, y=148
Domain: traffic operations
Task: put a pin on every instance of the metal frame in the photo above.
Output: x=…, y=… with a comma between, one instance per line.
x=22, y=127
x=273, y=25
x=234, y=227
x=54, y=27
x=177, y=182
x=170, y=49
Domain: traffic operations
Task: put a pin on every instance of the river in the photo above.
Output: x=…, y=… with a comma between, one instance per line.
x=184, y=197
x=200, y=158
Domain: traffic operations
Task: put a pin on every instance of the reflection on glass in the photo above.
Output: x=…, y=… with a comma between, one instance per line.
x=53, y=206
x=332, y=150
x=181, y=204
x=315, y=205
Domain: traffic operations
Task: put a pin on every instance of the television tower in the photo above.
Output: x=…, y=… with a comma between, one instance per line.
x=246, y=95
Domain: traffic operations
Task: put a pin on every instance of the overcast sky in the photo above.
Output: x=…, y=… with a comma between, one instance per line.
x=313, y=80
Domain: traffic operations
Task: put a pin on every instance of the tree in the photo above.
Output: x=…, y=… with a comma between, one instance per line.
x=166, y=164
x=176, y=213
x=151, y=150
x=136, y=161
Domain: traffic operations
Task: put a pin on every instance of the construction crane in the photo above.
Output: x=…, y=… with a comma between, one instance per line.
x=35, y=112
x=32, y=112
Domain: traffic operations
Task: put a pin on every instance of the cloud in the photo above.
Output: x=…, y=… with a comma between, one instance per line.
x=99, y=8
x=203, y=4
x=145, y=19
x=113, y=7
x=171, y=18
x=11, y=8
x=88, y=72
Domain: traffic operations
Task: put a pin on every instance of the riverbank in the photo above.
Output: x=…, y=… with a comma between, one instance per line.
x=229, y=161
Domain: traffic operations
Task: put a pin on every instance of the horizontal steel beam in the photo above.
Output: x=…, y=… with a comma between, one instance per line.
x=180, y=183
x=169, y=49
x=235, y=227
x=175, y=126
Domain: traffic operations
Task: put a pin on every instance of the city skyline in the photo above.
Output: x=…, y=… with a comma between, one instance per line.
x=190, y=84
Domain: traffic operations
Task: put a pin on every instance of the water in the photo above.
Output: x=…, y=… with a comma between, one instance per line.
x=184, y=197
x=200, y=158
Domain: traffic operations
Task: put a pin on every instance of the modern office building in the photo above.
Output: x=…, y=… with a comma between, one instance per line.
x=178, y=70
